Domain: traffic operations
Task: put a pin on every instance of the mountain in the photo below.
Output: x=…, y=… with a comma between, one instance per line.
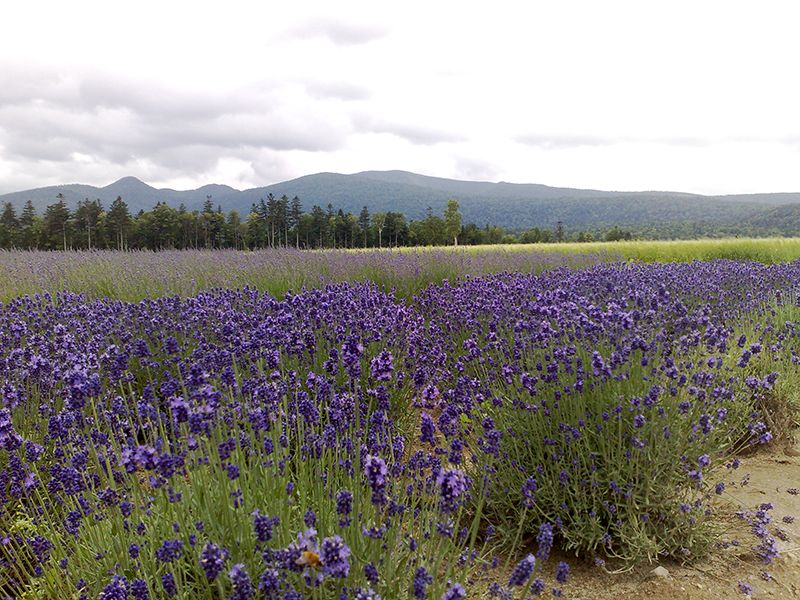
x=136, y=193
x=781, y=220
x=768, y=199
x=478, y=188
x=514, y=206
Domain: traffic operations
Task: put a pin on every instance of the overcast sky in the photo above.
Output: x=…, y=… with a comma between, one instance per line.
x=693, y=96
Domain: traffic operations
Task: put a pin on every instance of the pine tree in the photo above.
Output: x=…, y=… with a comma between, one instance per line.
x=295, y=212
x=363, y=223
x=118, y=223
x=57, y=223
x=87, y=219
x=9, y=226
x=31, y=223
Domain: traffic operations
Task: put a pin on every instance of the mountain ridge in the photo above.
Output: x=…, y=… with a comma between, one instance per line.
x=512, y=205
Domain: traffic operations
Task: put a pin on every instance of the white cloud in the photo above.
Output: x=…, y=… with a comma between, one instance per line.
x=339, y=32
x=620, y=95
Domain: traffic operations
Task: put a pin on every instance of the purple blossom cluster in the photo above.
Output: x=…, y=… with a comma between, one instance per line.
x=569, y=397
x=759, y=520
x=603, y=383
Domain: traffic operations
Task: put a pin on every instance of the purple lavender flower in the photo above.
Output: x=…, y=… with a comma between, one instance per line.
x=9, y=439
x=522, y=572
x=270, y=583
x=333, y=553
x=139, y=590
x=381, y=367
x=528, y=492
x=108, y=496
x=537, y=586
x=168, y=583
x=242, y=586
x=545, y=540
x=352, y=350
x=116, y=590
x=212, y=559
x=310, y=518
x=169, y=551
x=344, y=506
x=422, y=579
x=456, y=447
x=456, y=592
x=452, y=485
x=232, y=471
x=767, y=550
x=41, y=547
x=745, y=589
x=376, y=471
x=263, y=525
x=562, y=572
x=427, y=429
x=309, y=412
x=744, y=359
x=180, y=409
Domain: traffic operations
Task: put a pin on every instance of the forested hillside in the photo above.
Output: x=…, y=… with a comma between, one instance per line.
x=329, y=209
x=781, y=220
x=513, y=206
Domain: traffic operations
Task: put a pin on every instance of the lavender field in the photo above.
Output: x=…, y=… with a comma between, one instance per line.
x=134, y=276
x=340, y=440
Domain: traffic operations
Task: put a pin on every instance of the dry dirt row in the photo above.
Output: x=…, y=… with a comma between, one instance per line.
x=771, y=475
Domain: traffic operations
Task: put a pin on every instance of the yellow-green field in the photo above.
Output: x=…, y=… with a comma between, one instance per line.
x=764, y=250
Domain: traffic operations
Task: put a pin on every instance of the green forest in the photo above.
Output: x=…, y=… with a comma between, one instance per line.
x=273, y=222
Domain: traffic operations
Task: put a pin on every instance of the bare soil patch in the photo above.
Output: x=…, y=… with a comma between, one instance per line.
x=772, y=473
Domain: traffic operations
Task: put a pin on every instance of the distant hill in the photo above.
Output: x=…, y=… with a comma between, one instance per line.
x=768, y=199
x=511, y=205
x=514, y=206
x=782, y=220
x=136, y=193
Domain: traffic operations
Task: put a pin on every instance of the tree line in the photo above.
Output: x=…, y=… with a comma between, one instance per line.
x=272, y=222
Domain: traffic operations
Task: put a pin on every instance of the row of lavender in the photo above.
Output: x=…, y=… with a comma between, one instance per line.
x=339, y=443
x=135, y=275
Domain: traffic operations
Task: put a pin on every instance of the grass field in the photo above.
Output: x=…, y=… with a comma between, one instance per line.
x=764, y=250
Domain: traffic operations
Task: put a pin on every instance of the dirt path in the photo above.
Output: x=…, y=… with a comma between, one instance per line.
x=771, y=475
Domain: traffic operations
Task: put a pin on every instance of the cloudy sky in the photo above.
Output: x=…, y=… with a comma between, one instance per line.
x=696, y=96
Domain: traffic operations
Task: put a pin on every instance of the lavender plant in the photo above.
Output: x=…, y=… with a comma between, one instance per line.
x=134, y=276
x=598, y=401
x=218, y=446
